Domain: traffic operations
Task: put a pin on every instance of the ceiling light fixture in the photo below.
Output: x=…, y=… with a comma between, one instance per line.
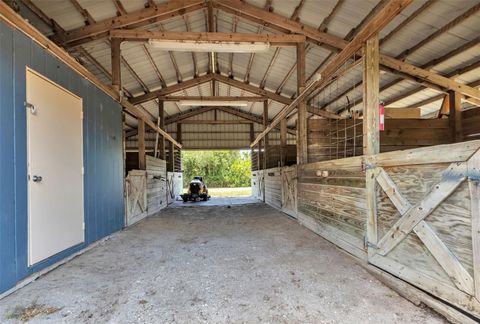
x=210, y=46
x=213, y=103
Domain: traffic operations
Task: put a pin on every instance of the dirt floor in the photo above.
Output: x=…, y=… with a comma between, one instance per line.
x=243, y=264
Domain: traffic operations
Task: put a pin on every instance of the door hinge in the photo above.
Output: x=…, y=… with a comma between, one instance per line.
x=30, y=107
x=81, y=115
x=83, y=170
x=83, y=226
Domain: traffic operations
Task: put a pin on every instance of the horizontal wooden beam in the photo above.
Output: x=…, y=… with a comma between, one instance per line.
x=268, y=94
x=133, y=19
x=212, y=98
x=172, y=89
x=215, y=122
x=145, y=35
x=429, y=76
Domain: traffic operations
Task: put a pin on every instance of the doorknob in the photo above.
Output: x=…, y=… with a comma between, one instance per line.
x=36, y=178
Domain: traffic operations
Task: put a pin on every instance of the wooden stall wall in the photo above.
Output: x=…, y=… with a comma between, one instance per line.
x=331, y=201
x=156, y=184
x=273, y=187
x=135, y=196
x=328, y=140
x=428, y=220
x=174, y=186
x=471, y=124
x=289, y=190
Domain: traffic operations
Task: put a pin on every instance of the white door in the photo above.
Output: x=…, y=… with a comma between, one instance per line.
x=55, y=168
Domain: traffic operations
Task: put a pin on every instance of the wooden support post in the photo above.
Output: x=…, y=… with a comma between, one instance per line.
x=283, y=142
x=265, y=141
x=179, y=133
x=141, y=145
x=252, y=137
x=116, y=70
x=302, y=156
x=455, y=104
x=371, y=136
x=161, y=115
x=171, y=157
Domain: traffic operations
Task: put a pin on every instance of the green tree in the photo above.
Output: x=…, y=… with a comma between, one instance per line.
x=219, y=169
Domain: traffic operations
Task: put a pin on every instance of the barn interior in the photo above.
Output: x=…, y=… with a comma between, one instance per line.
x=363, y=124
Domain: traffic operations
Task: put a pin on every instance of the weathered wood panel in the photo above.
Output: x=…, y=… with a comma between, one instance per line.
x=273, y=187
x=426, y=216
x=471, y=124
x=289, y=190
x=156, y=184
x=331, y=200
x=136, y=196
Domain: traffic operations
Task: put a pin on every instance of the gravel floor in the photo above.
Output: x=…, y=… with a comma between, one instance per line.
x=213, y=264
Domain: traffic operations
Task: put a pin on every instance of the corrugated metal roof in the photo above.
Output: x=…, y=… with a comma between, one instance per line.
x=348, y=16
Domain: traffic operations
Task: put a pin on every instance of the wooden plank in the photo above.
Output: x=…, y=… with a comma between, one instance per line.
x=136, y=18
x=458, y=152
x=145, y=35
x=301, y=139
x=431, y=77
x=474, y=189
x=212, y=98
x=385, y=15
x=172, y=89
x=451, y=179
x=403, y=113
x=447, y=260
x=141, y=145
x=116, y=71
x=392, y=191
x=455, y=105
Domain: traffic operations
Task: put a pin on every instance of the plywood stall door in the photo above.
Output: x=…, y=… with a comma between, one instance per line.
x=55, y=168
x=428, y=220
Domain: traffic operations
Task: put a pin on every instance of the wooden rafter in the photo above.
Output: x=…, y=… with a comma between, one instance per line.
x=323, y=28
x=194, y=55
x=120, y=8
x=13, y=19
x=381, y=19
x=213, y=98
x=268, y=94
x=155, y=67
x=432, y=63
x=135, y=19
x=172, y=89
x=145, y=35
x=246, y=78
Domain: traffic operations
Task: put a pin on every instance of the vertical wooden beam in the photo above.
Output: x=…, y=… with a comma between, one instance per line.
x=265, y=141
x=179, y=133
x=455, y=104
x=116, y=70
x=141, y=145
x=302, y=155
x=283, y=142
x=171, y=157
x=161, y=116
x=252, y=137
x=371, y=136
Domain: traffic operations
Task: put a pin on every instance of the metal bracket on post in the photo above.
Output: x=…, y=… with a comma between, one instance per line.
x=30, y=107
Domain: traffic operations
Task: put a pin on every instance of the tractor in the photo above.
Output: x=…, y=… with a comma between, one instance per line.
x=196, y=190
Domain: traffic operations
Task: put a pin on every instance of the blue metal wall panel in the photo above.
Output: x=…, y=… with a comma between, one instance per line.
x=103, y=158
x=7, y=187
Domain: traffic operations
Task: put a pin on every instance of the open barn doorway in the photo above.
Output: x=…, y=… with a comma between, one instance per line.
x=225, y=173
